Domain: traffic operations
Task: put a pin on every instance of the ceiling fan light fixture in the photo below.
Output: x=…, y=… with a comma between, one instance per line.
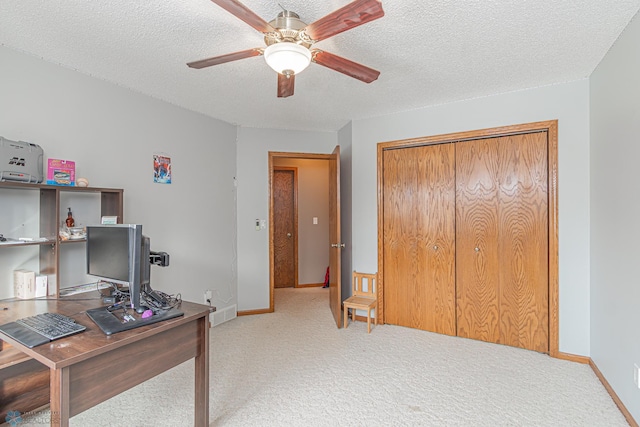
x=287, y=58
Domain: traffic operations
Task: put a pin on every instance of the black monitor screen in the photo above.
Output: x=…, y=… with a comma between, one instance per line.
x=108, y=253
x=115, y=253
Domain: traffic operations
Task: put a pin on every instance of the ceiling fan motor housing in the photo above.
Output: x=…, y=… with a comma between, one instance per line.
x=289, y=28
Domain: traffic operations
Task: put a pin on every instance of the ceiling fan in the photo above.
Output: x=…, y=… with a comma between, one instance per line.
x=289, y=41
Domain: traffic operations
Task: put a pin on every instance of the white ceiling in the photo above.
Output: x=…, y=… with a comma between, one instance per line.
x=428, y=52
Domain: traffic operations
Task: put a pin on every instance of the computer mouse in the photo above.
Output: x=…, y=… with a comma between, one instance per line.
x=147, y=313
x=141, y=309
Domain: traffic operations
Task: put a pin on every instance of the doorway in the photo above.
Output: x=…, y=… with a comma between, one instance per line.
x=316, y=232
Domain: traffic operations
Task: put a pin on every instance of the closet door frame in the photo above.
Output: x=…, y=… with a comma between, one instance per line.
x=551, y=127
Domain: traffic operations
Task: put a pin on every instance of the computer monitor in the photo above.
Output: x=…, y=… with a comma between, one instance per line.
x=145, y=264
x=119, y=253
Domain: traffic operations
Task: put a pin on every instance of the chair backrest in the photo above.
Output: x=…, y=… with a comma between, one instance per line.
x=365, y=284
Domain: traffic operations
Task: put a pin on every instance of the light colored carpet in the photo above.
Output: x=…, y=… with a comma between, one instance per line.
x=295, y=368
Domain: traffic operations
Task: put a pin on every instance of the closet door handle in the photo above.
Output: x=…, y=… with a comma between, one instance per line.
x=477, y=249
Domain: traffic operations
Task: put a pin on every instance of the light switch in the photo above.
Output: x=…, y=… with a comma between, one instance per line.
x=315, y=220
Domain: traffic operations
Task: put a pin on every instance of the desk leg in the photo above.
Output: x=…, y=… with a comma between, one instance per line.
x=202, y=374
x=59, y=390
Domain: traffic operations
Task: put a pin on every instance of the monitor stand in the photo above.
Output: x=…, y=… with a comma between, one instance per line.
x=112, y=322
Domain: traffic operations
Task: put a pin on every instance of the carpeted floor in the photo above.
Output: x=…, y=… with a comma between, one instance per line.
x=295, y=368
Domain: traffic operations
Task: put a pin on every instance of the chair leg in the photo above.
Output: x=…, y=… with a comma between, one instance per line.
x=346, y=317
x=369, y=321
x=376, y=319
x=353, y=314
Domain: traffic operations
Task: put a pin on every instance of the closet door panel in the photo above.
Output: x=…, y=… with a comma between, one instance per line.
x=437, y=228
x=523, y=241
x=400, y=239
x=477, y=257
x=419, y=239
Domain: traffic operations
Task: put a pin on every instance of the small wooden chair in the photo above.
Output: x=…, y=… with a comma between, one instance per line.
x=362, y=299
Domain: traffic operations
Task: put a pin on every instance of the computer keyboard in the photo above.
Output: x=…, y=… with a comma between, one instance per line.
x=51, y=325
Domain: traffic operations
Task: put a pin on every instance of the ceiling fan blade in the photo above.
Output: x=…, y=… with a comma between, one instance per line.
x=350, y=16
x=225, y=58
x=344, y=66
x=285, y=85
x=242, y=12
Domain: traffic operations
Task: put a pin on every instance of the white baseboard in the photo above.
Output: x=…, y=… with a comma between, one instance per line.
x=224, y=315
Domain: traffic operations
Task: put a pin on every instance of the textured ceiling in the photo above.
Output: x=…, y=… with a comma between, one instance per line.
x=428, y=52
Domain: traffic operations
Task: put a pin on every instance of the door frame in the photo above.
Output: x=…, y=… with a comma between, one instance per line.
x=286, y=155
x=295, y=219
x=551, y=127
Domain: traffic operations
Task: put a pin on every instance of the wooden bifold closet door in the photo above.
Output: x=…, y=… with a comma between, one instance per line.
x=466, y=238
x=502, y=240
x=419, y=233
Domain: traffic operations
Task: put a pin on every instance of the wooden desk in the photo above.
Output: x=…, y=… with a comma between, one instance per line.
x=90, y=367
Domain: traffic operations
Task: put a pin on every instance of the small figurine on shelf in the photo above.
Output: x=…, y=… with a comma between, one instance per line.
x=70, y=221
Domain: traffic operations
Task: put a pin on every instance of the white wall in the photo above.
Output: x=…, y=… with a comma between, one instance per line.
x=569, y=103
x=615, y=216
x=253, y=202
x=111, y=133
x=313, y=202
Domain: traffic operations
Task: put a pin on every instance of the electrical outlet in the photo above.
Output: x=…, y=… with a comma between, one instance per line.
x=207, y=297
x=636, y=375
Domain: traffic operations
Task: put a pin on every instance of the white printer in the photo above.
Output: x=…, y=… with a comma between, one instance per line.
x=20, y=161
